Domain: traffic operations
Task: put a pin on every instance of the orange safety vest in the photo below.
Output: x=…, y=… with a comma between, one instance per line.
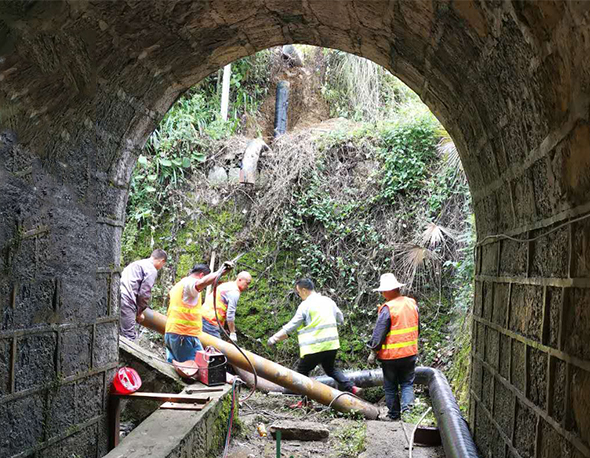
x=402, y=339
x=209, y=311
x=183, y=318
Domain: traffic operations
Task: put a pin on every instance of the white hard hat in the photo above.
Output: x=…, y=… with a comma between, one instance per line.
x=388, y=282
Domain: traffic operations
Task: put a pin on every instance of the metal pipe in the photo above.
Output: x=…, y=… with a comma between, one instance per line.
x=275, y=372
x=456, y=438
x=281, y=108
x=454, y=432
x=362, y=379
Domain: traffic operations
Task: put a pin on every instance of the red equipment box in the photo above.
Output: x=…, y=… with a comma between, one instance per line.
x=211, y=365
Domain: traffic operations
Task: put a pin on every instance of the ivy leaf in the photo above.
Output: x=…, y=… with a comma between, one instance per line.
x=152, y=177
x=186, y=162
x=150, y=189
x=142, y=160
x=166, y=162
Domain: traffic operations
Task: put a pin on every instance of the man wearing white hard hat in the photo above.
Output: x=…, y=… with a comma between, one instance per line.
x=395, y=344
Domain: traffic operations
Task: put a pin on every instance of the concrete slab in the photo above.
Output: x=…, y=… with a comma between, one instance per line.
x=180, y=433
x=169, y=433
x=156, y=376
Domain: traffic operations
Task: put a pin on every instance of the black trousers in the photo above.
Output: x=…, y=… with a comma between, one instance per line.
x=327, y=359
x=398, y=376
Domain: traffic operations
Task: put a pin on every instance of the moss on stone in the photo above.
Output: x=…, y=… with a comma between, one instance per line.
x=218, y=431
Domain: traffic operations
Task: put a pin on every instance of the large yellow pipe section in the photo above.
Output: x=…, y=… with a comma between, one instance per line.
x=274, y=372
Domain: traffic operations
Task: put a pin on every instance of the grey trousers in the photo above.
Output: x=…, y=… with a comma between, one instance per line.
x=128, y=320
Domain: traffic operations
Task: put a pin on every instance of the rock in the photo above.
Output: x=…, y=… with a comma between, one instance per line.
x=217, y=175
x=300, y=430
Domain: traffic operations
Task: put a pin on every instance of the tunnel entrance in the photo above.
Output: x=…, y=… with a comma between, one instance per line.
x=344, y=196
x=84, y=84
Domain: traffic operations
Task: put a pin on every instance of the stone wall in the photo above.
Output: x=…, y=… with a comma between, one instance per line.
x=58, y=311
x=82, y=85
x=531, y=363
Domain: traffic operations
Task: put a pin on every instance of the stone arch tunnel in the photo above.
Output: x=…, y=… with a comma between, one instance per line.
x=84, y=83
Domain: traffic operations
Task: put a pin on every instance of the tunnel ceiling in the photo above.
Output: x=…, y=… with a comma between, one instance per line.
x=84, y=83
x=506, y=79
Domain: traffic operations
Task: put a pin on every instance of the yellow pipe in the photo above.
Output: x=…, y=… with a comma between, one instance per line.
x=274, y=372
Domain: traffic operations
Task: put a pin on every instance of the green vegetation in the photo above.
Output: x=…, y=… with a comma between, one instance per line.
x=358, y=89
x=373, y=194
x=352, y=440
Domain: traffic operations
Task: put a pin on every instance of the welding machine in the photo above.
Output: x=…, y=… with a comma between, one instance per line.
x=211, y=365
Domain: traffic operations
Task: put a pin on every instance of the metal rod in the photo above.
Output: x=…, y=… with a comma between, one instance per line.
x=415, y=428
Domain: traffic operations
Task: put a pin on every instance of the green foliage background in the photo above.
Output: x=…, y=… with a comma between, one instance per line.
x=341, y=229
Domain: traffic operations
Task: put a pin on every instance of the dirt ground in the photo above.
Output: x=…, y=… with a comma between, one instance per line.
x=349, y=437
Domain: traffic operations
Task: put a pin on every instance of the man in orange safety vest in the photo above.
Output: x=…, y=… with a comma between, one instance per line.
x=184, y=322
x=226, y=302
x=395, y=344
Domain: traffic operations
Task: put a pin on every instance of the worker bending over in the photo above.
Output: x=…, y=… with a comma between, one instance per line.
x=184, y=323
x=228, y=294
x=395, y=344
x=316, y=320
x=137, y=280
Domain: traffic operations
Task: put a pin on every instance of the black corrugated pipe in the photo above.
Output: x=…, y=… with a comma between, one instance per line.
x=362, y=379
x=281, y=105
x=456, y=438
x=454, y=432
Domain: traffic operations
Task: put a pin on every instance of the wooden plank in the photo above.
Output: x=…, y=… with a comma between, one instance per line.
x=164, y=397
x=149, y=359
x=114, y=417
x=182, y=406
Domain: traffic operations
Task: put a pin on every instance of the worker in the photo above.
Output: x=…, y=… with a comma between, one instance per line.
x=395, y=344
x=184, y=323
x=316, y=320
x=228, y=294
x=137, y=280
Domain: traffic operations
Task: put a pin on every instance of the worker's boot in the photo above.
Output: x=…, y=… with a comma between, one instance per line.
x=304, y=403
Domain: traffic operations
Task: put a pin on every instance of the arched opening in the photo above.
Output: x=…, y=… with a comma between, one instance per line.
x=83, y=85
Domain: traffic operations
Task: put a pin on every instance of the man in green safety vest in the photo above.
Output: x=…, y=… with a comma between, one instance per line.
x=316, y=321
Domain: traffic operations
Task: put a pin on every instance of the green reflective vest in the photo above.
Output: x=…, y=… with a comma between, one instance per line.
x=321, y=334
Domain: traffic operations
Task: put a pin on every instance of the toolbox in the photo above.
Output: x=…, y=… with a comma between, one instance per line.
x=212, y=366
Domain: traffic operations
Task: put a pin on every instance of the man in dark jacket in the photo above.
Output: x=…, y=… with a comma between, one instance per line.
x=137, y=280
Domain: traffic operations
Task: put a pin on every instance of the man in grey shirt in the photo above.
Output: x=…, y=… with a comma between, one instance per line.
x=228, y=294
x=137, y=280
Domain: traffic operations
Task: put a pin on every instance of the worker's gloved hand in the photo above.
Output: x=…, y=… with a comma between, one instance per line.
x=372, y=358
x=233, y=337
x=281, y=335
x=228, y=265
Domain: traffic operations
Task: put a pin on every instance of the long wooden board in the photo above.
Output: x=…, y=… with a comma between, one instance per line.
x=165, y=397
x=182, y=406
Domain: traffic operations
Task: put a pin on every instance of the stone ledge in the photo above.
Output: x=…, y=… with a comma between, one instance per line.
x=179, y=433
